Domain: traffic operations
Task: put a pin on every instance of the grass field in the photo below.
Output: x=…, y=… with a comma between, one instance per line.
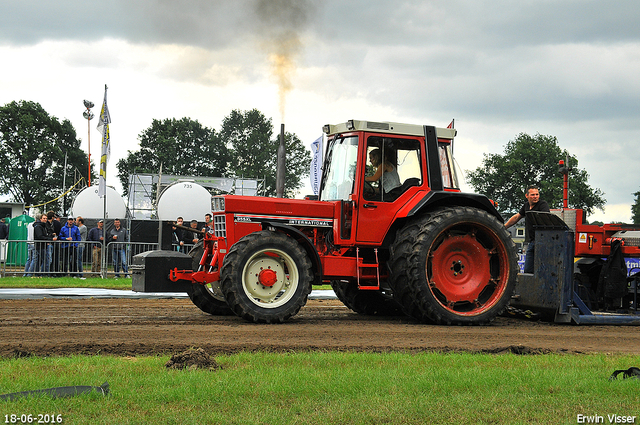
x=70, y=282
x=64, y=282
x=321, y=387
x=334, y=388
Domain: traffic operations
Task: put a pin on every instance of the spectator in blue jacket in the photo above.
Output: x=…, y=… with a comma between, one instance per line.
x=69, y=249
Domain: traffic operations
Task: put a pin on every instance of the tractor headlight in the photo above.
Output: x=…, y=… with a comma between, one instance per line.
x=217, y=204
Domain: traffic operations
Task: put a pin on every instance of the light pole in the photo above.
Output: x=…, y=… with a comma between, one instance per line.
x=88, y=115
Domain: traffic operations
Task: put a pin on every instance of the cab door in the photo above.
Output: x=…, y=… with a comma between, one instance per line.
x=378, y=202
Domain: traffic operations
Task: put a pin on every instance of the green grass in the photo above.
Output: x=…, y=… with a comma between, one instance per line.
x=64, y=282
x=69, y=282
x=334, y=388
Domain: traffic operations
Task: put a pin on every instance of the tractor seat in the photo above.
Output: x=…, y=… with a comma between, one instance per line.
x=395, y=193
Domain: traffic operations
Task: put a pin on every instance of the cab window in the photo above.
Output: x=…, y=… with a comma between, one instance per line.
x=393, y=166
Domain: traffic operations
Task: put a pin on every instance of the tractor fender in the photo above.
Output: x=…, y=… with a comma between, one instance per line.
x=441, y=198
x=304, y=241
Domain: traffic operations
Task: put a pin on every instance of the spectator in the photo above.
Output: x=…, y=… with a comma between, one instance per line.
x=83, y=237
x=42, y=235
x=69, y=249
x=53, y=251
x=31, y=265
x=178, y=235
x=207, y=222
x=4, y=235
x=191, y=237
x=4, y=229
x=118, y=239
x=96, y=236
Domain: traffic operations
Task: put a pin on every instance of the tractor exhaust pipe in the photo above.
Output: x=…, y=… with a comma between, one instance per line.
x=281, y=162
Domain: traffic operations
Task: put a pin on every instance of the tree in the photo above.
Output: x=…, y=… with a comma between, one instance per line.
x=183, y=147
x=635, y=209
x=33, y=146
x=528, y=161
x=248, y=134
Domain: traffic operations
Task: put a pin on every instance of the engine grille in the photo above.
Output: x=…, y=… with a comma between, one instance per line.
x=220, y=226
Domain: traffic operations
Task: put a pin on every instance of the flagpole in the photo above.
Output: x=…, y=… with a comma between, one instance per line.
x=103, y=127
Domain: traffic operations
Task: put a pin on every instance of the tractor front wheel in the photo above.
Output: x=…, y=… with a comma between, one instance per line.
x=266, y=277
x=207, y=298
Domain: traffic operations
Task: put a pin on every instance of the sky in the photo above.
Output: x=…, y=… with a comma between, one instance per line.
x=566, y=68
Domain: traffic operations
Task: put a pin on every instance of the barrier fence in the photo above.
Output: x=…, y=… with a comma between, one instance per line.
x=62, y=258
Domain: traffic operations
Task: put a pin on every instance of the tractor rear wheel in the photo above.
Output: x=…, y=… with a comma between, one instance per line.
x=207, y=298
x=266, y=277
x=454, y=265
x=371, y=303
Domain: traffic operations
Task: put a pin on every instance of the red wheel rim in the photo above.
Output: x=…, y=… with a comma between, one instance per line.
x=467, y=269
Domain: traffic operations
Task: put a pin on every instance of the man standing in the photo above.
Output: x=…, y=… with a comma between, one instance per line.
x=32, y=254
x=534, y=203
x=52, y=261
x=42, y=235
x=54, y=249
x=178, y=234
x=83, y=237
x=96, y=236
x=4, y=229
x=4, y=235
x=207, y=222
x=191, y=237
x=71, y=235
x=118, y=239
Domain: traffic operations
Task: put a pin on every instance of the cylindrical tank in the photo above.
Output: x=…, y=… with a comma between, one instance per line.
x=89, y=205
x=17, y=251
x=185, y=199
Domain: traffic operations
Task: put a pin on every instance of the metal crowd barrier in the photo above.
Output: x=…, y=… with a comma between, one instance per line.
x=58, y=258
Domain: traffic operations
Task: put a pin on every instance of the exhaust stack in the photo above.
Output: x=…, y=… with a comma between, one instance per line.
x=281, y=162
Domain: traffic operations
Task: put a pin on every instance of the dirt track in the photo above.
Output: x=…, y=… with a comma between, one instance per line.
x=129, y=327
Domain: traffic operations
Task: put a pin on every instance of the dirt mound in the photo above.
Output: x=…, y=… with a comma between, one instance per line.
x=192, y=359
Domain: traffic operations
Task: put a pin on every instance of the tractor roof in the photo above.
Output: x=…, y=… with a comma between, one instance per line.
x=386, y=127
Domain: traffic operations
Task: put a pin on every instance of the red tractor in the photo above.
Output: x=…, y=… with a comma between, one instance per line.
x=408, y=241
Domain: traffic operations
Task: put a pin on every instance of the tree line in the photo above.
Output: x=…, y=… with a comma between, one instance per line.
x=34, y=145
x=245, y=147
x=533, y=160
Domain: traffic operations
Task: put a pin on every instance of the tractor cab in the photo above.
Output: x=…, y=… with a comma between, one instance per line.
x=377, y=169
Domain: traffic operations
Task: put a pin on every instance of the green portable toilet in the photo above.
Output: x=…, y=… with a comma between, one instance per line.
x=17, y=251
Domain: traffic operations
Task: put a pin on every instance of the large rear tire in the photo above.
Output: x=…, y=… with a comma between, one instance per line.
x=266, y=277
x=454, y=265
x=207, y=298
x=371, y=303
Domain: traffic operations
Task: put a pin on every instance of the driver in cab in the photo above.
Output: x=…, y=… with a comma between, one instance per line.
x=383, y=170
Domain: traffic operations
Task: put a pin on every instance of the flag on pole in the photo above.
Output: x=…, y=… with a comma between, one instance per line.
x=452, y=126
x=103, y=127
x=316, y=165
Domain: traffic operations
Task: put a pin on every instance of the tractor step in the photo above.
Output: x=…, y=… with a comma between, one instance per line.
x=368, y=277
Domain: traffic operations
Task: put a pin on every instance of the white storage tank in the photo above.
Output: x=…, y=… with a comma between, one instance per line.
x=89, y=205
x=186, y=199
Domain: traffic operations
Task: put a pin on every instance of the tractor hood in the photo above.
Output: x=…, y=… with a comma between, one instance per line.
x=278, y=208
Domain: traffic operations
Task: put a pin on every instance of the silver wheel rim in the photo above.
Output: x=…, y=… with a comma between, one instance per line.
x=286, y=278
